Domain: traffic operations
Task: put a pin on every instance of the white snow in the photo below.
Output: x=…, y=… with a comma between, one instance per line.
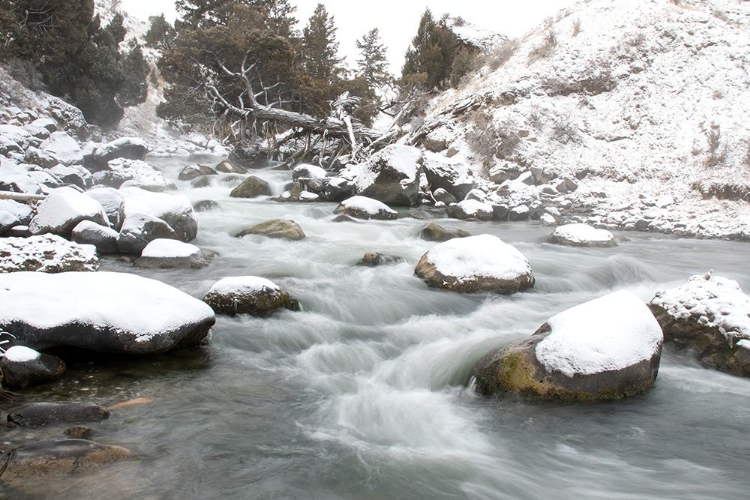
x=46, y=253
x=62, y=206
x=135, y=172
x=243, y=285
x=715, y=302
x=368, y=205
x=609, y=333
x=21, y=354
x=159, y=205
x=475, y=207
x=478, y=256
x=308, y=196
x=64, y=148
x=167, y=248
x=126, y=303
x=403, y=159
x=582, y=233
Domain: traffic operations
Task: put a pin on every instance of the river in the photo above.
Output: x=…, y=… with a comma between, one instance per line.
x=366, y=392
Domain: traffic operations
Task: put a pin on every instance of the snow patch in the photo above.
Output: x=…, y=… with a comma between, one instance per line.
x=21, y=354
x=368, y=205
x=243, y=285
x=478, y=256
x=167, y=248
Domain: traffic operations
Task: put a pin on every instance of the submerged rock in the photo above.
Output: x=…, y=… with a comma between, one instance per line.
x=22, y=367
x=361, y=207
x=582, y=235
x=252, y=187
x=436, y=232
x=374, y=259
x=248, y=295
x=276, y=228
x=50, y=458
x=481, y=263
x=228, y=167
x=709, y=317
x=108, y=312
x=39, y=414
x=604, y=349
x=206, y=206
x=47, y=254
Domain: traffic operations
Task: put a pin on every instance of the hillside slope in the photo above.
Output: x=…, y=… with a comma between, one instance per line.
x=644, y=104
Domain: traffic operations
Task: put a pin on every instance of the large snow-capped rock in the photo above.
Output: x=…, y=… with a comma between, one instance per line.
x=481, y=263
x=362, y=207
x=111, y=201
x=709, y=317
x=559, y=103
x=168, y=254
x=47, y=254
x=129, y=148
x=391, y=175
x=452, y=175
x=174, y=209
x=139, y=229
x=134, y=172
x=471, y=209
x=63, y=209
x=109, y=312
x=64, y=148
x=607, y=348
x=248, y=295
x=582, y=235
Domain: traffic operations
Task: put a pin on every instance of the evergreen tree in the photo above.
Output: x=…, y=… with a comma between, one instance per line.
x=161, y=33
x=372, y=63
x=432, y=51
x=320, y=47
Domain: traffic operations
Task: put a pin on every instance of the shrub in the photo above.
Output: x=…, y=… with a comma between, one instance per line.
x=502, y=54
x=545, y=49
x=717, y=154
x=576, y=27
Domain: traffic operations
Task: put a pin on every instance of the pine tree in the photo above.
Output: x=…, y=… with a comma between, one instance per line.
x=372, y=63
x=161, y=33
x=320, y=47
x=431, y=52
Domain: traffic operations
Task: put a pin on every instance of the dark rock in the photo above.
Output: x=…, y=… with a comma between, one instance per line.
x=79, y=432
x=139, y=230
x=252, y=187
x=38, y=157
x=276, y=228
x=39, y=414
x=436, y=232
x=206, y=206
x=344, y=218
x=22, y=367
x=228, y=167
x=444, y=196
x=454, y=177
x=500, y=212
x=201, y=182
x=128, y=148
x=374, y=259
x=391, y=175
x=194, y=171
x=339, y=189
x=91, y=233
x=248, y=295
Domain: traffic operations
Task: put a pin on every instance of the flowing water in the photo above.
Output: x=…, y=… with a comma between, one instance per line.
x=366, y=393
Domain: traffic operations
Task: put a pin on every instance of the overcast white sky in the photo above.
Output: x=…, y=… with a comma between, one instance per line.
x=398, y=20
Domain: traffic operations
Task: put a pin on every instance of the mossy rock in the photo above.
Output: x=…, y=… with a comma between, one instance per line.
x=252, y=187
x=276, y=228
x=436, y=232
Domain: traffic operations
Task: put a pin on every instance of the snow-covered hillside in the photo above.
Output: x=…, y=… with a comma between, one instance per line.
x=644, y=104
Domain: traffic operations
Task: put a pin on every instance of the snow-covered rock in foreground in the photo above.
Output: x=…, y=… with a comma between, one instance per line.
x=167, y=254
x=709, y=316
x=46, y=254
x=582, y=235
x=390, y=175
x=248, y=295
x=362, y=207
x=109, y=312
x=481, y=263
x=64, y=148
x=63, y=209
x=22, y=367
x=174, y=209
x=607, y=348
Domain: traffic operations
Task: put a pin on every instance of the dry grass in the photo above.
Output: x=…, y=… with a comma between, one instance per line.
x=546, y=48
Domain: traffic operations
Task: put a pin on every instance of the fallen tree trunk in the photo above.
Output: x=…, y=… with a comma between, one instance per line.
x=5, y=195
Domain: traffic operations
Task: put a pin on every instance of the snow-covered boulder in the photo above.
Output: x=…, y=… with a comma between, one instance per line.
x=7, y=222
x=307, y=171
x=252, y=187
x=362, y=207
x=709, y=316
x=174, y=209
x=46, y=254
x=36, y=156
x=441, y=195
x=134, y=172
x=103, y=238
x=14, y=135
x=16, y=179
x=129, y=148
x=436, y=232
x=607, y=348
x=194, y=171
x=21, y=210
x=582, y=235
x=38, y=130
x=109, y=312
x=169, y=254
x=63, y=209
x=139, y=229
x=453, y=176
x=22, y=367
x=471, y=209
x=111, y=201
x=73, y=174
x=276, y=228
x=64, y=148
x=339, y=189
x=481, y=263
x=391, y=175
x=248, y=295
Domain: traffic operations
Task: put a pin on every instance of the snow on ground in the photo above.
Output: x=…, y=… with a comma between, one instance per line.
x=167, y=248
x=609, y=333
x=21, y=354
x=715, y=302
x=243, y=285
x=126, y=303
x=478, y=256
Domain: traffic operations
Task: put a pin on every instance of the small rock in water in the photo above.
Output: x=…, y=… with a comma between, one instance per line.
x=170, y=254
x=276, y=228
x=79, y=432
x=582, y=235
x=374, y=259
x=248, y=295
x=436, y=232
x=206, y=206
x=38, y=414
x=361, y=207
x=22, y=367
x=252, y=187
x=228, y=167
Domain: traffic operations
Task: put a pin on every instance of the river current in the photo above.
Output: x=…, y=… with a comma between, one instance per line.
x=366, y=393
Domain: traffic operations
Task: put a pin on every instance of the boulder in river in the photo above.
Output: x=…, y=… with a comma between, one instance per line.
x=174, y=209
x=391, y=175
x=108, y=312
x=471, y=209
x=39, y=414
x=49, y=458
x=206, y=206
x=252, y=187
x=193, y=171
x=473, y=264
x=139, y=230
x=22, y=367
x=129, y=148
x=450, y=175
x=375, y=259
x=248, y=295
x=582, y=235
x=47, y=254
x=170, y=254
x=91, y=233
x=227, y=167
x=604, y=349
x=709, y=317
x=63, y=209
x=362, y=207
x=436, y=232
x=276, y=228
